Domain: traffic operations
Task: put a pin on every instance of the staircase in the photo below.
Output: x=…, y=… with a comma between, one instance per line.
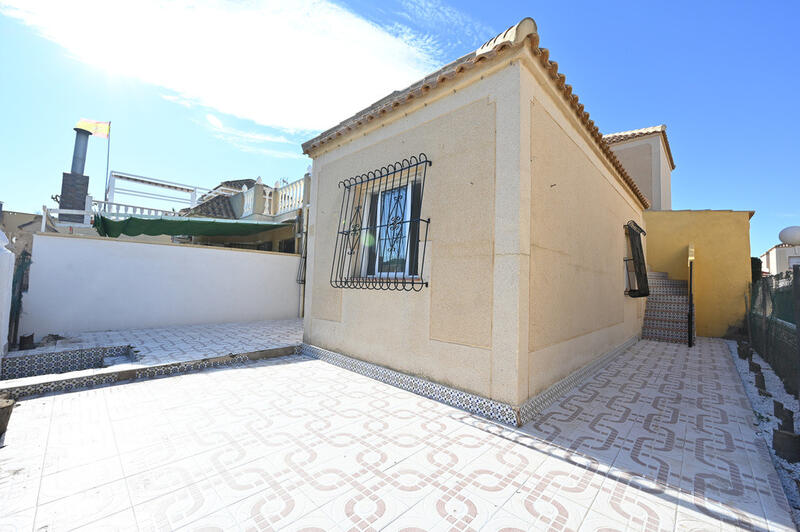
x=667, y=309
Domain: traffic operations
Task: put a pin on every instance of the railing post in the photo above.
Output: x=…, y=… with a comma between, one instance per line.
x=796, y=304
x=306, y=189
x=764, y=289
x=87, y=206
x=690, y=315
x=276, y=200
x=111, y=185
x=690, y=325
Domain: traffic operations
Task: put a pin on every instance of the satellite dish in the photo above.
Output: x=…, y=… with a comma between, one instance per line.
x=790, y=235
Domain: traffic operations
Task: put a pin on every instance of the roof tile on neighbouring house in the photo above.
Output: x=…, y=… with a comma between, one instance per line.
x=216, y=207
x=237, y=183
x=622, y=136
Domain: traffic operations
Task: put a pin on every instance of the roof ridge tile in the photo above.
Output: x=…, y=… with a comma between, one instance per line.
x=524, y=32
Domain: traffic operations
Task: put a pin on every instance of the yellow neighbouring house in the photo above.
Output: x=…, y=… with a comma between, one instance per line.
x=720, y=239
x=721, y=242
x=475, y=238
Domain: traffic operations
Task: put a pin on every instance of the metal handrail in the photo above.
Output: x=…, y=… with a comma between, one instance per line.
x=690, y=316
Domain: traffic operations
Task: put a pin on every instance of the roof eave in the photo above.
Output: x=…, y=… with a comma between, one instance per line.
x=662, y=132
x=489, y=51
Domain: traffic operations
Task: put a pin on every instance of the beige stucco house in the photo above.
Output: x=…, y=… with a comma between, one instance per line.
x=646, y=155
x=472, y=228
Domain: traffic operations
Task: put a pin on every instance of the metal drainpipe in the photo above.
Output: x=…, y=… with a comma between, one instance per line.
x=303, y=247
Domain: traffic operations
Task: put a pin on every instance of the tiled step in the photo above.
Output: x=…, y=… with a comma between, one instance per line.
x=673, y=292
x=680, y=292
x=667, y=309
x=681, y=309
x=667, y=283
x=667, y=299
x=668, y=290
x=665, y=335
x=672, y=315
x=666, y=323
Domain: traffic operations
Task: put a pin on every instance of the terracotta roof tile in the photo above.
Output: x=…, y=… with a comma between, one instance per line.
x=521, y=34
x=622, y=136
x=237, y=183
x=216, y=207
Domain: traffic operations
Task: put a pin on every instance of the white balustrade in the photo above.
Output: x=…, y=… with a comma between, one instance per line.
x=249, y=200
x=122, y=210
x=290, y=197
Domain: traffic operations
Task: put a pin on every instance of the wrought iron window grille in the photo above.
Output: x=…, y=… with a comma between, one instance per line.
x=637, y=279
x=381, y=238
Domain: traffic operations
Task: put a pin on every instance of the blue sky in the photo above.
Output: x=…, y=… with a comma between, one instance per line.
x=199, y=92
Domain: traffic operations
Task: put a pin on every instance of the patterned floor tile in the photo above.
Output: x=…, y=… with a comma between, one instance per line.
x=546, y=510
x=366, y=508
x=70, y=481
x=84, y=508
x=124, y=521
x=17, y=521
x=156, y=482
x=178, y=508
x=655, y=440
x=219, y=521
x=271, y=508
x=638, y=503
x=595, y=521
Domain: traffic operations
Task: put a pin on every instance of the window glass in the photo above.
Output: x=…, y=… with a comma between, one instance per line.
x=393, y=239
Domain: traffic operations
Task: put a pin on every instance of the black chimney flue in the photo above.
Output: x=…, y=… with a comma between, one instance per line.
x=79, y=153
x=75, y=185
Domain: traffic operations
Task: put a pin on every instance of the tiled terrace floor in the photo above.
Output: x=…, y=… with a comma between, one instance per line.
x=168, y=345
x=660, y=439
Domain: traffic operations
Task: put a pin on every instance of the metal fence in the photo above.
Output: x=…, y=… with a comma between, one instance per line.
x=773, y=321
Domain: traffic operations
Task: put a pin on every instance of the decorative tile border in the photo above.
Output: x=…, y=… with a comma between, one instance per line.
x=63, y=385
x=126, y=375
x=476, y=404
x=20, y=364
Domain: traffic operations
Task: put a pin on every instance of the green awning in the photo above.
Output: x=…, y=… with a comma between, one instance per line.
x=174, y=225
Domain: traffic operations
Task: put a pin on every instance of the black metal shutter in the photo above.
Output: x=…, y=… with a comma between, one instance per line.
x=372, y=233
x=639, y=265
x=413, y=232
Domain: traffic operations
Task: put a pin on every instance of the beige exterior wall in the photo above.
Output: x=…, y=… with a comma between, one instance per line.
x=448, y=332
x=646, y=160
x=577, y=307
x=520, y=290
x=665, y=178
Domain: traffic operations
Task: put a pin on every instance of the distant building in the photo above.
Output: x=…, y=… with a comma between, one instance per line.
x=255, y=201
x=780, y=258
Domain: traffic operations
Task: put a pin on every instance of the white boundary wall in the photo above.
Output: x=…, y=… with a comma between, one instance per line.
x=6, y=278
x=80, y=284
